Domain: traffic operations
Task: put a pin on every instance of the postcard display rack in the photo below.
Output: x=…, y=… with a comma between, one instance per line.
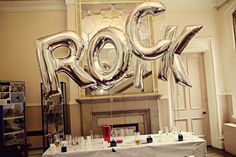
x=12, y=114
x=54, y=120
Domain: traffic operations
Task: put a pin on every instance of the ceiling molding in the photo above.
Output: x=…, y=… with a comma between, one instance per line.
x=109, y=1
x=170, y=4
x=45, y=5
x=228, y=8
x=220, y=3
x=32, y=6
x=189, y=4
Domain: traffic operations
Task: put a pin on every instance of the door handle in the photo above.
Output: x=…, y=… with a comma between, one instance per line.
x=204, y=112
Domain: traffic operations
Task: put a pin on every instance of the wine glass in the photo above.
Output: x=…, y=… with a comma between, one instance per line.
x=174, y=129
x=166, y=130
x=69, y=140
x=56, y=138
x=160, y=132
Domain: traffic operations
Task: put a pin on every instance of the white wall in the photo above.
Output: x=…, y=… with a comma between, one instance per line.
x=228, y=49
x=18, y=32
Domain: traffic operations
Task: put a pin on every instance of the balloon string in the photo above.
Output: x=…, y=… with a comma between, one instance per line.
x=177, y=101
x=145, y=81
x=172, y=95
x=177, y=97
x=111, y=102
x=92, y=127
x=124, y=103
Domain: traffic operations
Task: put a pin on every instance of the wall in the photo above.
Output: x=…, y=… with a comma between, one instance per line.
x=18, y=32
x=228, y=57
x=18, y=56
x=228, y=49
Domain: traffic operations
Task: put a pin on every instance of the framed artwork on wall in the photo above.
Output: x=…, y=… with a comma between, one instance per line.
x=54, y=117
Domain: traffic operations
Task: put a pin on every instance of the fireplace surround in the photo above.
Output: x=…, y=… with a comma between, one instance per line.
x=142, y=111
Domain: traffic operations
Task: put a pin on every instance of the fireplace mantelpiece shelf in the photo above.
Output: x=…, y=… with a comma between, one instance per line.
x=119, y=97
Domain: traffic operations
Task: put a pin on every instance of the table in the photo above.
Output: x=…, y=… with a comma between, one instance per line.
x=162, y=146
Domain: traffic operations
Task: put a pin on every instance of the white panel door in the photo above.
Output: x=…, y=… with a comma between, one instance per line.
x=190, y=109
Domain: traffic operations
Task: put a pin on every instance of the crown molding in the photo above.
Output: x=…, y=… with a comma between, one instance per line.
x=189, y=4
x=47, y=5
x=170, y=4
x=32, y=6
x=228, y=8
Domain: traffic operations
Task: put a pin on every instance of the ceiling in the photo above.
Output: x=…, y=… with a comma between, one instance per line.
x=170, y=3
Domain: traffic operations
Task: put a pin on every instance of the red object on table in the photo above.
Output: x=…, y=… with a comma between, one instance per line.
x=119, y=141
x=106, y=132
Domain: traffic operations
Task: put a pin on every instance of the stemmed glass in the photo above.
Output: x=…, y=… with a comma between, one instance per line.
x=69, y=141
x=56, y=138
x=174, y=129
x=166, y=130
x=161, y=132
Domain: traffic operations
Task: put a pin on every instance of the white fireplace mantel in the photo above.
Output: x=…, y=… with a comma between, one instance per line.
x=119, y=97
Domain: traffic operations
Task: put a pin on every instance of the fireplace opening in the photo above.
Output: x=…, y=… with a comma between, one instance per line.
x=124, y=129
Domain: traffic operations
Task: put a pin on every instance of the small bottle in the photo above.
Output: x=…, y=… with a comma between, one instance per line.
x=113, y=143
x=180, y=137
x=149, y=139
x=63, y=147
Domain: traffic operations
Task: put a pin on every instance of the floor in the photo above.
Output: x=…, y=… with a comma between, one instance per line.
x=211, y=152
x=35, y=153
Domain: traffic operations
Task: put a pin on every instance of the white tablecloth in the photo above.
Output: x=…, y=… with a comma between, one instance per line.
x=163, y=146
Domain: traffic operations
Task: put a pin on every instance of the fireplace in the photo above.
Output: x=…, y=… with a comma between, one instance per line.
x=141, y=114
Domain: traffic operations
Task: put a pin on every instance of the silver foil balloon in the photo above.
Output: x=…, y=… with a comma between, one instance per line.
x=49, y=64
x=179, y=72
x=168, y=57
x=132, y=66
x=98, y=90
x=138, y=77
x=132, y=29
x=163, y=69
x=170, y=32
x=106, y=78
x=188, y=33
x=101, y=77
x=172, y=61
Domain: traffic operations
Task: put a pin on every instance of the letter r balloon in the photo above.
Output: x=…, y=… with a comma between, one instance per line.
x=49, y=64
